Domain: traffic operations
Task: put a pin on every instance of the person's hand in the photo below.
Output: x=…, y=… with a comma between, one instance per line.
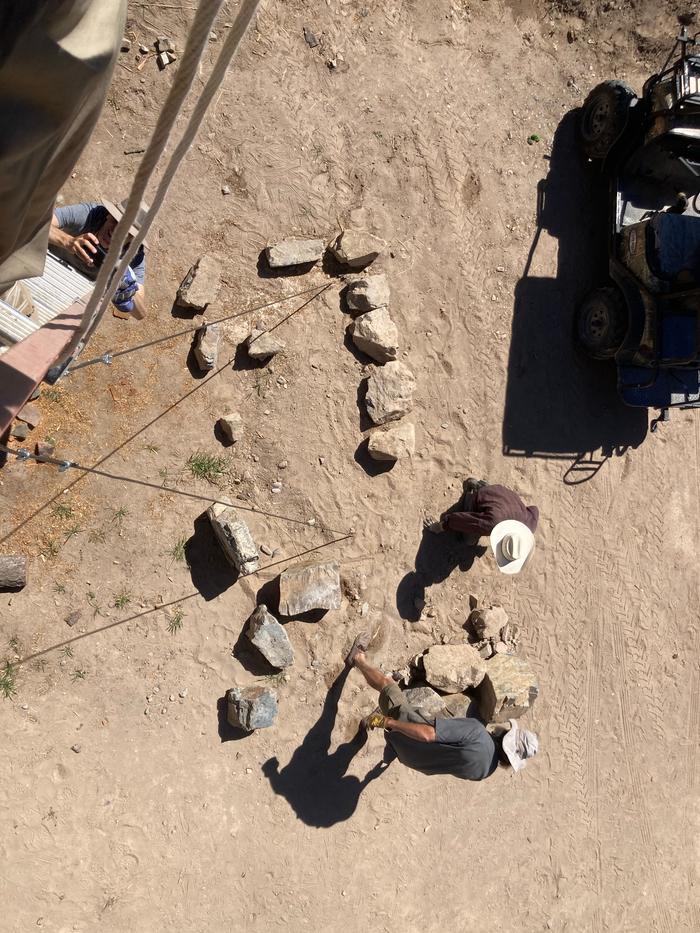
x=435, y=528
x=84, y=246
x=375, y=721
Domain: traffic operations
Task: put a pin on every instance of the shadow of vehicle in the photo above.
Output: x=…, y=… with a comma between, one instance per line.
x=314, y=782
x=559, y=404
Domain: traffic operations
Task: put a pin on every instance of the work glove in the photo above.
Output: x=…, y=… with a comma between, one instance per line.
x=375, y=721
x=123, y=297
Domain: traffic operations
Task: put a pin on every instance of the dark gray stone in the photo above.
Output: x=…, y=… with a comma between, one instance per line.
x=251, y=708
x=269, y=637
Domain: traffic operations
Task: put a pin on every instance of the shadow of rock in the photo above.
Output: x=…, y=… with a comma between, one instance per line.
x=193, y=366
x=365, y=421
x=315, y=782
x=559, y=403
x=227, y=732
x=242, y=361
x=371, y=466
x=183, y=314
x=221, y=437
x=251, y=659
x=211, y=573
x=269, y=595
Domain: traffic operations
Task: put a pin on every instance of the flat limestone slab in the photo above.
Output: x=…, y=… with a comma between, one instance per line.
x=294, y=252
x=310, y=586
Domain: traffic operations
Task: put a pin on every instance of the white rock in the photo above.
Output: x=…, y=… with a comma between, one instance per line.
x=395, y=443
x=453, y=667
x=487, y=623
x=306, y=587
x=376, y=335
x=201, y=284
x=261, y=346
x=368, y=292
x=206, y=346
x=232, y=426
x=356, y=249
x=294, y=252
x=234, y=536
x=390, y=392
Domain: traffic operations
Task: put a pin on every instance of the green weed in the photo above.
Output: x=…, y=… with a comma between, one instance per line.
x=206, y=466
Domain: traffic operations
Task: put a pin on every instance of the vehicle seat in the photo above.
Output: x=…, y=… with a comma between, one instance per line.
x=673, y=249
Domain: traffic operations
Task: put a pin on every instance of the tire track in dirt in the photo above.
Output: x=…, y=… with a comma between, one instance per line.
x=650, y=850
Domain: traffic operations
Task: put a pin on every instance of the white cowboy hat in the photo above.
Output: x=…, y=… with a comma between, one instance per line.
x=117, y=211
x=519, y=745
x=512, y=542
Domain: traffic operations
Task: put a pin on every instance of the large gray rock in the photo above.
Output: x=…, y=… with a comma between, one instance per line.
x=356, y=249
x=251, y=708
x=395, y=443
x=428, y=703
x=262, y=346
x=13, y=571
x=235, y=538
x=368, y=292
x=456, y=704
x=390, y=392
x=269, y=637
x=231, y=426
x=206, y=347
x=376, y=335
x=294, y=252
x=508, y=690
x=487, y=623
x=201, y=284
x=453, y=668
x=306, y=587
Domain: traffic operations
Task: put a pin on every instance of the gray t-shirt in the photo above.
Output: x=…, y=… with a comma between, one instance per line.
x=463, y=748
x=88, y=218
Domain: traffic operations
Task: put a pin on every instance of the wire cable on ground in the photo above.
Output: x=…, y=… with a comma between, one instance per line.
x=23, y=454
x=136, y=434
x=113, y=354
x=173, y=602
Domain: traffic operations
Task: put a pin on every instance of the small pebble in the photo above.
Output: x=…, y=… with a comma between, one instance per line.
x=225, y=189
x=282, y=465
x=183, y=693
x=213, y=37
x=444, y=425
x=172, y=697
x=75, y=748
x=276, y=487
x=255, y=458
x=146, y=711
x=163, y=711
x=311, y=521
x=144, y=49
x=321, y=460
x=156, y=689
x=25, y=706
x=248, y=770
x=266, y=550
x=281, y=381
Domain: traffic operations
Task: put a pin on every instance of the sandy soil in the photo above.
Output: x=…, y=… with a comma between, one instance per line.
x=161, y=822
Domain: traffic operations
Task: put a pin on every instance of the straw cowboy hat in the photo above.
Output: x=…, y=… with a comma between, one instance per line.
x=519, y=745
x=117, y=211
x=512, y=542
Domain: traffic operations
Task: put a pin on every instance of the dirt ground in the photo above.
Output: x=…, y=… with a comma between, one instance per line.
x=161, y=821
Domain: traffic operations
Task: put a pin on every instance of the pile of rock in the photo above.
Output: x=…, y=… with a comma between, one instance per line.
x=492, y=632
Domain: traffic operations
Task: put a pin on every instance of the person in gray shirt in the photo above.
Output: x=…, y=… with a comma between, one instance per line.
x=460, y=746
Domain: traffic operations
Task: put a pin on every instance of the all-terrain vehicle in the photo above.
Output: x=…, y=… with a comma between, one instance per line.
x=648, y=318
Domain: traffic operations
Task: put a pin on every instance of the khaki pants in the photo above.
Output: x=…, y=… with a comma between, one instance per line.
x=393, y=704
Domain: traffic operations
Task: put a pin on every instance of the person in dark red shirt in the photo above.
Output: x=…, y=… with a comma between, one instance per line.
x=500, y=513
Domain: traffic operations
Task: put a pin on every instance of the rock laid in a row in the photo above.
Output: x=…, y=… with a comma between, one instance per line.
x=456, y=704
x=201, y=285
x=306, y=587
x=294, y=252
x=13, y=572
x=261, y=345
x=235, y=538
x=424, y=699
x=368, y=292
x=44, y=449
x=356, y=249
x=269, y=637
x=206, y=347
x=508, y=690
x=231, y=426
x=453, y=667
x=390, y=392
x=487, y=623
x=30, y=414
x=394, y=443
x=376, y=335
x=251, y=708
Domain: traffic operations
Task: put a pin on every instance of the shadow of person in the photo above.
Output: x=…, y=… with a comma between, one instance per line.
x=314, y=782
x=436, y=558
x=560, y=404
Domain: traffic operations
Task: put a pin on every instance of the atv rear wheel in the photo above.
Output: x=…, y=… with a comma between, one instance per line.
x=601, y=323
x=604, y=117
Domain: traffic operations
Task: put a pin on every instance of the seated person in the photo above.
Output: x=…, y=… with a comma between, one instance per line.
x=81, y=234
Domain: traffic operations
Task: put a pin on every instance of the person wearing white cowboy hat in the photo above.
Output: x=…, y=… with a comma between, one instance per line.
x=81, y=234
x=499, y=512
x=518, y=745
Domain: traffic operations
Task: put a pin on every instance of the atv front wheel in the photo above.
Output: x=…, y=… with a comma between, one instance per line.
x=604, y=117
x=601, y=323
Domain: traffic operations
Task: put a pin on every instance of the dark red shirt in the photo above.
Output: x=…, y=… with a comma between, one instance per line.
x=492, y=504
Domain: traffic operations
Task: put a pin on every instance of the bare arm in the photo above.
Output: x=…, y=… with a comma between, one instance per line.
x=84, y=245
x=414, y=730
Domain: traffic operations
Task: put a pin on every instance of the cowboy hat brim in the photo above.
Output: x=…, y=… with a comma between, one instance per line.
x=527, y=543
x=117, y=213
